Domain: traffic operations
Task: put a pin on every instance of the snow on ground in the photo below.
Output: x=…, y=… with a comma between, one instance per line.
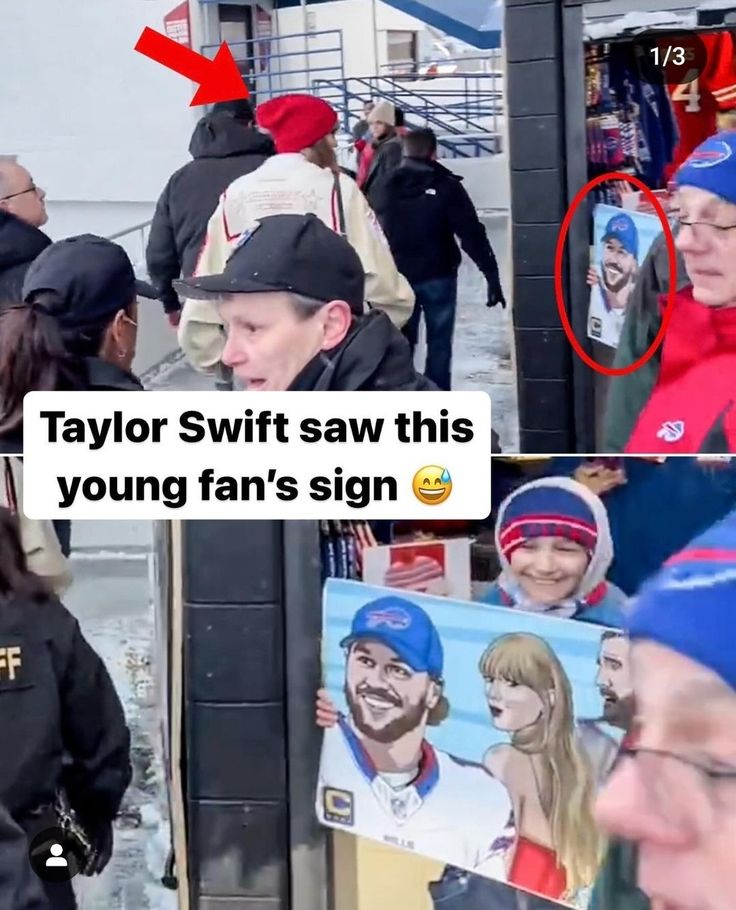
x=112, y=599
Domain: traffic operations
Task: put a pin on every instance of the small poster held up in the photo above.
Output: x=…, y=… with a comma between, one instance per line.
x=622, y=241
x=439, y=567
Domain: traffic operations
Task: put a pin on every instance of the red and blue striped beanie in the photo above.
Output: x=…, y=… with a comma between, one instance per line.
x=546, y=511
x=689, y=606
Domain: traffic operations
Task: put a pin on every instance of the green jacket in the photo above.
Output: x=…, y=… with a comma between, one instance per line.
x=615, y=887
x=628, y=394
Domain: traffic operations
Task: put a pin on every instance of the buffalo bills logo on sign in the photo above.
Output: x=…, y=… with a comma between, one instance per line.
x=672, y=431
x=338, y=806
x=393, y=618
x=620, y=225
x=716, y=153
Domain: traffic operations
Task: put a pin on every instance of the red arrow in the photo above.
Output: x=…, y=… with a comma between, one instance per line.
x=219, y=79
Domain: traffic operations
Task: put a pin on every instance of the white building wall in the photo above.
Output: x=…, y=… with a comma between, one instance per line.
x=364, y=24
x=99, y=126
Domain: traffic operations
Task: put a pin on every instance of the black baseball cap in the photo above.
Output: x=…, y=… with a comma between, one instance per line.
x=295, y=253
x=93, y=277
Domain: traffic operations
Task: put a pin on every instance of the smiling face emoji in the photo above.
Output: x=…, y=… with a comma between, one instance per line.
x=432, y=484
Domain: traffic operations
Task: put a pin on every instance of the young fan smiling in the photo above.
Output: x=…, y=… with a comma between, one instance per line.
x=555, y=546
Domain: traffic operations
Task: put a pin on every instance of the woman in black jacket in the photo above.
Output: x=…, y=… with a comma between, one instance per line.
x=75, y=328
x=61, y=714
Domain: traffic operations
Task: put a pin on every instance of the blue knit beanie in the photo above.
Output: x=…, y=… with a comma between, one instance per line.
x=712, y=167
x=546, y=512
x=690, y=605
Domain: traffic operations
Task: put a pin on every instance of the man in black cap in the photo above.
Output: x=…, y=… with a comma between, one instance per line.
x=225, y=145
x=292, y=297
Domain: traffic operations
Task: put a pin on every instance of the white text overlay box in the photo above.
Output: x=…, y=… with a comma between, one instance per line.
x=265, y=455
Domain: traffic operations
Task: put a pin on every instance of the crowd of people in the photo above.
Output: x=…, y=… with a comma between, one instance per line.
x=278, y=267
x=68, y=309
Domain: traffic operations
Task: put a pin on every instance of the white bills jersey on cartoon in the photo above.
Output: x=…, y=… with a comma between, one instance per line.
x=352, y=796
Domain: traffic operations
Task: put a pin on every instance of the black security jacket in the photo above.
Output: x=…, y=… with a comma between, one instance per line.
x=62, y=720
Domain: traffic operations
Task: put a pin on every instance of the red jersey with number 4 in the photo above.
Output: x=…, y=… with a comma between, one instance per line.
x=696, y=103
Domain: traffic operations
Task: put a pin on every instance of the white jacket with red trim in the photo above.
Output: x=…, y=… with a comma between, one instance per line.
x=289, y=184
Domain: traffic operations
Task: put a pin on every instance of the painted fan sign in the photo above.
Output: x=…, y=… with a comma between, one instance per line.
x=622, y=241
x=473, y=735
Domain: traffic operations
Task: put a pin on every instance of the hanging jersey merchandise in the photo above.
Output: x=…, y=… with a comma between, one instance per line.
x=650, y=98
x=697, y=103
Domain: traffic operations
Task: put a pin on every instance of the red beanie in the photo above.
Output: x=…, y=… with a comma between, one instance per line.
x=296, y=122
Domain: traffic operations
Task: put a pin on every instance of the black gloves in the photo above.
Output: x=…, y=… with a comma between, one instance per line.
x=101, y=838
x=495, y=294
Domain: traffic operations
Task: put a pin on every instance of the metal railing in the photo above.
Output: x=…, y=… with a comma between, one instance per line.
x=134, y=240
x=464, y=114
x=491, y=63
x=451, y=113
x=287, y=63
x=475, y=96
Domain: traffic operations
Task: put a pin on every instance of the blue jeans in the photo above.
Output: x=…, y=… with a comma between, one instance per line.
x=437, y=299
x=63, y=528
x=461, y=890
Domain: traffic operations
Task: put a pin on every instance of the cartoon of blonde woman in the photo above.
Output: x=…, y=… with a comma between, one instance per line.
x=558, y=848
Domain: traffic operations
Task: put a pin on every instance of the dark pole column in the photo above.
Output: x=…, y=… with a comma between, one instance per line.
x=554, y=386
x=253, y=627
x=236, y=774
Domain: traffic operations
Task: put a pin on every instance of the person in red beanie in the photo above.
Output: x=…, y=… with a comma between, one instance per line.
x=302, y=178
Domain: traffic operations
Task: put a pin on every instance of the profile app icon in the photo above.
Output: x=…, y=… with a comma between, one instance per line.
x=54, y=856
x=56, y=859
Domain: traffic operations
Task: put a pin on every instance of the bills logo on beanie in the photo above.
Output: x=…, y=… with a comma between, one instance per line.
x=690, y=605
x=712, y=167
x=546, y=512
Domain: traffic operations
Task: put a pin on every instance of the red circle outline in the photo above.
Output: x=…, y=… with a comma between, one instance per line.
x=559, y=290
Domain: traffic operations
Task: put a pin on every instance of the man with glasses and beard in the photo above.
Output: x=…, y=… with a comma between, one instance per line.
x=22, y=213
x=380, y=776
x=619, y=262
x=614, y=684
x=613, y=282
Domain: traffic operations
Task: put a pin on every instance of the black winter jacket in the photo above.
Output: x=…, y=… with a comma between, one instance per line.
x=61, y=711
x=96, y=375
x=423, y=207
x=386, y=158
x=374, y=357
x=20, y=243
x=223, y=150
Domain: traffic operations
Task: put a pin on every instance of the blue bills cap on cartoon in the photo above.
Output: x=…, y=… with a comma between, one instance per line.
x=622, y=228
x=405, y=628
x=295, y=253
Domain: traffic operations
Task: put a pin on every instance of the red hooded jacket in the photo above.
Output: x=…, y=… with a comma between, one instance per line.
x=692, y=408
